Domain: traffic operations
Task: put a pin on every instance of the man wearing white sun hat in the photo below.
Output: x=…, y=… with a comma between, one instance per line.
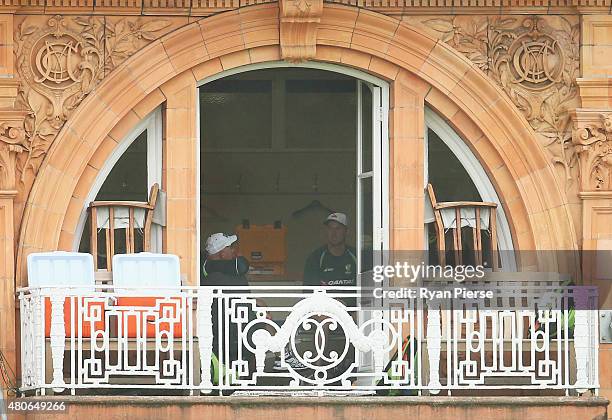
x=223, y=267
x=222, y=258
x=219, y=246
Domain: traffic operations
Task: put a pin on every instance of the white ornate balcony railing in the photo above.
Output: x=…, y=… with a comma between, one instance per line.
x=203, y=339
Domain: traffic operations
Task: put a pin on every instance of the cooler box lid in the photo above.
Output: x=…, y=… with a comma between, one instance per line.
x=60, y=268
x=146, y=269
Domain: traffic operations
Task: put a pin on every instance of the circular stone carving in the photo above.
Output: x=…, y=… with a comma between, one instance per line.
x=56, y=63
x=537, y=61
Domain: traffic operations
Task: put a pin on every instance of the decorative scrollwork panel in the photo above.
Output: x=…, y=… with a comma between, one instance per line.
x=59, y=61
x=534, y=59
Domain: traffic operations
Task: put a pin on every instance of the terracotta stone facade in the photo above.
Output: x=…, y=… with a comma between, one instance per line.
x=377, y=408
x=542, y=130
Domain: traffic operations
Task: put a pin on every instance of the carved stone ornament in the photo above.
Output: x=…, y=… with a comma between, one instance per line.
x=60, y=60
x=592, y=137
x=535, y=60
x=12, y=140
x=299, y=20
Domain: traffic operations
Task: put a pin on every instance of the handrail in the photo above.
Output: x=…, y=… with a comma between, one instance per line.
x=346, y=347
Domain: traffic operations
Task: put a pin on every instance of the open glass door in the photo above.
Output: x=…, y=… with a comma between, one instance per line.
x=371, y=234
x=370, y=207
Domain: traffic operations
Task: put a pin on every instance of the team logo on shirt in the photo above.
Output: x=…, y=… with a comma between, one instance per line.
x=348, y=269
x=345, y=282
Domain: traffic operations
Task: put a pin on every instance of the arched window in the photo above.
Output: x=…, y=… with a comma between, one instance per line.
x=128, y=174
x=457, y=175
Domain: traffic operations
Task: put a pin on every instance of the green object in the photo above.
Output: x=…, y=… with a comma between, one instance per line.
x=571, y=321
x=219, y=370
x=408, y=354
x=571, y=318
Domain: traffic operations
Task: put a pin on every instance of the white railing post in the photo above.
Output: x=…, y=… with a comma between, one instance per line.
x=58, y=339
x=38, y=336
x=378, y=343
x=262, y=340
x=581, y=338
x=434, y=344
x=205, y=337
x=37, y=323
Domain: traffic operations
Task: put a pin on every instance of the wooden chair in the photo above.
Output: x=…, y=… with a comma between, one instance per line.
x=454, y=210
x=145, y=210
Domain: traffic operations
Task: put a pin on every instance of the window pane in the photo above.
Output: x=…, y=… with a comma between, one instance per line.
x=450, y=180
x=127, y=181
x=307, y=170
x=128, y=178
x=320, y=114
x=366, y=118
x=248, y=102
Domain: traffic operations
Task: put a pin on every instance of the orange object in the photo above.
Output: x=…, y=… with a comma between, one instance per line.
x=169, y=308
x=265, y=246
x=91, y=308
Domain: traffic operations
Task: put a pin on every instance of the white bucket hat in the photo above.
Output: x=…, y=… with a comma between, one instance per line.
x=217, y=241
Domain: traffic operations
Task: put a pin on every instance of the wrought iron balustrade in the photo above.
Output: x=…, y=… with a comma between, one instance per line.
x=209, y=339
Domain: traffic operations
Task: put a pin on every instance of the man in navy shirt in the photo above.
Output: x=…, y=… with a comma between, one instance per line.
x=335, y=263
x=332, y=265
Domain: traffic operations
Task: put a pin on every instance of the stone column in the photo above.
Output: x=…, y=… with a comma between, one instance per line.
x=12, y=142
x=407, y=153
x=592, y=142
x=7, y=277
x=180, y=154
x=407, y=122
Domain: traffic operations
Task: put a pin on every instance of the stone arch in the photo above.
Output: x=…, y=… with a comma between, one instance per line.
x=372, y=42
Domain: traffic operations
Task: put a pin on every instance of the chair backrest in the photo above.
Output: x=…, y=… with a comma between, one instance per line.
x=451, y=215
x=59, y=268
x=153, y=194
x=149, y=217
x=128, y=215
x=146, y=269
x=432, y=195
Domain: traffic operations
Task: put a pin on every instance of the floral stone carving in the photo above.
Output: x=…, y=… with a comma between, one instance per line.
x=592, y=136
x=535, y=60
x=12, y=138
x=60, y=60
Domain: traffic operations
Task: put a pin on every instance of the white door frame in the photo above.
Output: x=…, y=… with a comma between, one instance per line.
x=383, y=233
